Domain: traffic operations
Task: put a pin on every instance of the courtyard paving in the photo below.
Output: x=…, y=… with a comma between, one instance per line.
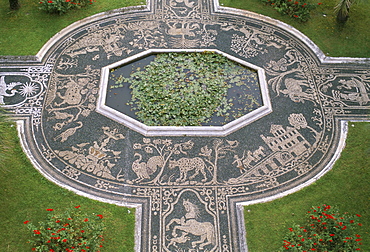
x=188, y=184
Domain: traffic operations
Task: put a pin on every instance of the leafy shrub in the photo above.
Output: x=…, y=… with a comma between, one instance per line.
x=296, y=9
x=62, y=6
x=71, y=230
x=326, y=229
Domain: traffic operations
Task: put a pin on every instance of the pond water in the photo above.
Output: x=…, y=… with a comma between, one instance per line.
x=243, y=95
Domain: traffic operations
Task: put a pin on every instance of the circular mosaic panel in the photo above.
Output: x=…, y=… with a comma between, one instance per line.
x=188, y=186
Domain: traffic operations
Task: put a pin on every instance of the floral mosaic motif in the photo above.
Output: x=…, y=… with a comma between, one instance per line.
x=95, y=158
x=253, y=42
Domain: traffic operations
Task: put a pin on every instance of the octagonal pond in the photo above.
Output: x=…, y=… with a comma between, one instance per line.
x=183, y=89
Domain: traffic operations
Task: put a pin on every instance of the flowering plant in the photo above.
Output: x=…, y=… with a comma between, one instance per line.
x=62, y=6
x=67, y=231
x=326, y=230
x=296, y=9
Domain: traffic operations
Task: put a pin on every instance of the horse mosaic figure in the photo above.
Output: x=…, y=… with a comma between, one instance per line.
x=190, y=225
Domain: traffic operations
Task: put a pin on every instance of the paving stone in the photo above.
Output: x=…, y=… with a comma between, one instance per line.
x=188, y=187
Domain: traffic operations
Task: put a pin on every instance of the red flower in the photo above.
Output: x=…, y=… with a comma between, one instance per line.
x=357, y=235
x=50, y=209
x=332, y=234
x=86, y=220
x=344, y=228
x=319, y=3
x=295, y=16
x=296, y=2
x=358, y=215
x=26, y=221
x=78, y=205
x=50, y=1
x=101, y=217
x=57, y=221
x=82, y=231
x=64, y=240
x=65, y=224
x=51, y=250
x=33, y=249
x=36, y=232
x=359, y=224
x=358, y=240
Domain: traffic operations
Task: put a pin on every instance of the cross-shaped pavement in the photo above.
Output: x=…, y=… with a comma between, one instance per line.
x=188, y=183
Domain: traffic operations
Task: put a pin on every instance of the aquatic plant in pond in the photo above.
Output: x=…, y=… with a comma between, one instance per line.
x=188, y=89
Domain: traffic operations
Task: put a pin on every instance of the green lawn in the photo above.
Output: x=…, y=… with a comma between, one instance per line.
x=25, y=194
x=352, y=40
x=346, y=186
x=25, y=31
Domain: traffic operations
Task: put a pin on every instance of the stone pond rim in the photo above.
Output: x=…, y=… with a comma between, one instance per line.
x=146, y=130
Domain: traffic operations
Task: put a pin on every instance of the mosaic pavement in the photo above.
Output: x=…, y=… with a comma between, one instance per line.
x=189, y=183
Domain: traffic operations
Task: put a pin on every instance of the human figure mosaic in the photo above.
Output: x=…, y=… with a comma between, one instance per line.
x=188, y=186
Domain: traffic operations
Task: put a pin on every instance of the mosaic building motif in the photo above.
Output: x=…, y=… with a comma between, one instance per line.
x=187, y=188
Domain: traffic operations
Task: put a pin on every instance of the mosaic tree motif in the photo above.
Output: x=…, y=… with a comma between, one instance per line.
x=165, y=149
x=218, y=151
